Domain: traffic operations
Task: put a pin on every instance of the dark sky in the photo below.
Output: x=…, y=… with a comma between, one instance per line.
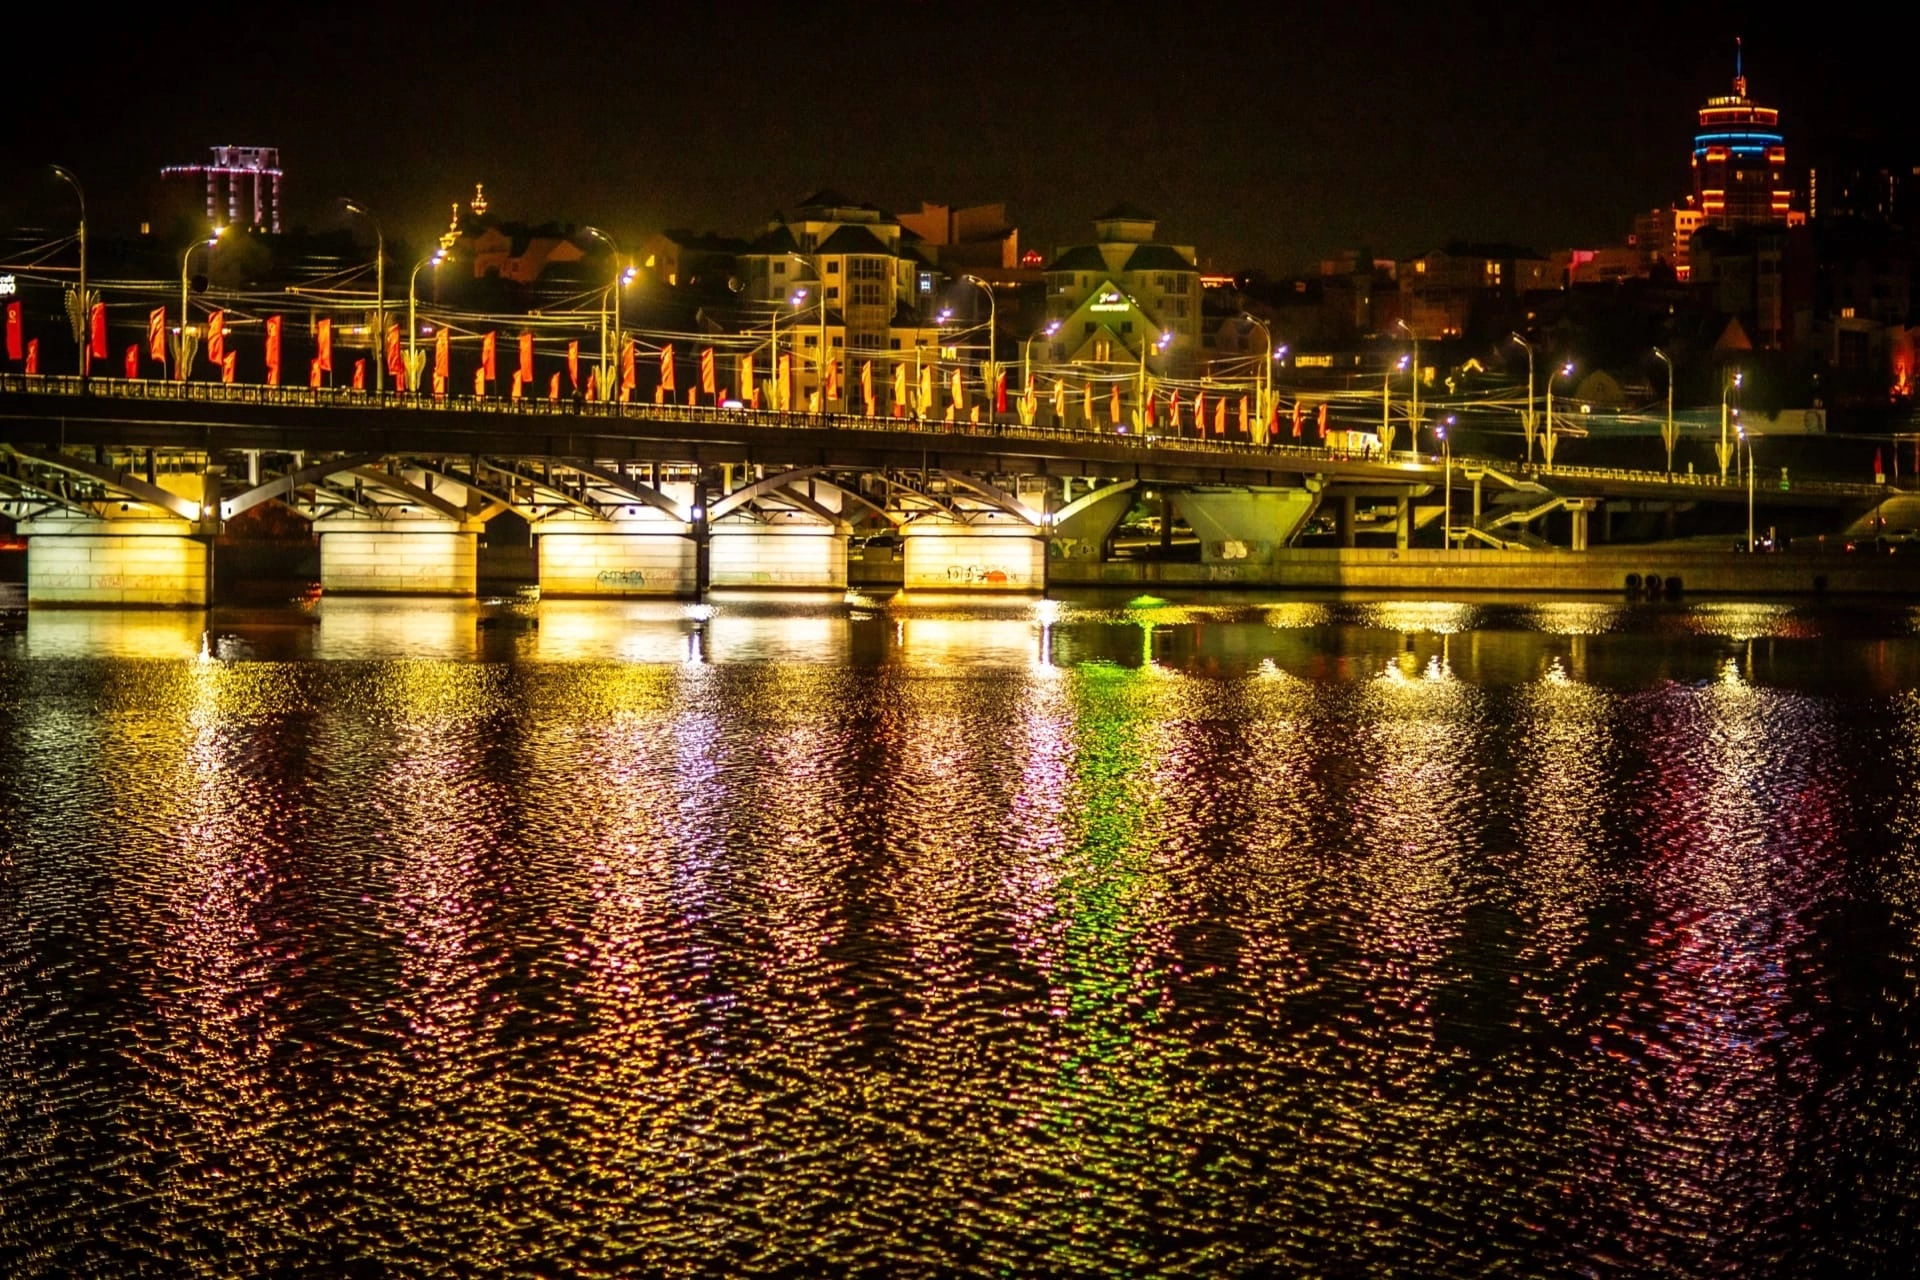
x=1265, y=135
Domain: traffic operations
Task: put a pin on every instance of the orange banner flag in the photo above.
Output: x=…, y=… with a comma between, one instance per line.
x=324, y=340
x=518, y=382
x=553, y=389
x=442, y=355
x=480, y=383
x=133, y=362
x=666, y=368
x=629, y=379
x=313, y=372
x=157, y=334
x=226, y=366
x=526, y=358
x=217, y=336
x=573, y=365
x=273, y=351
x=1220, y=416
x=1115, y=406
x=359, y=375
x=489, y=354
x=707, y=371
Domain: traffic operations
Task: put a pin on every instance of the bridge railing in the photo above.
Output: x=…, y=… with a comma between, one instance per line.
x=1403, y=465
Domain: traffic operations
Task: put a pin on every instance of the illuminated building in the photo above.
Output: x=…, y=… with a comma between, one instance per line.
x=243, y=186
x=1740, y=161
x=1121, y=294
x=1442, y=292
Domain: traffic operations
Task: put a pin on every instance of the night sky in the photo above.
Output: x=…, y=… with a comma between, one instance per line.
x=1266, y=136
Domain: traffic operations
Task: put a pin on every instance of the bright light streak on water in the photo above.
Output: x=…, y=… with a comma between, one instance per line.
x=949, y=935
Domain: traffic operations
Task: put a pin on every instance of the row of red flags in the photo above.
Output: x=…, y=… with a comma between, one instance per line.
x=488, y=371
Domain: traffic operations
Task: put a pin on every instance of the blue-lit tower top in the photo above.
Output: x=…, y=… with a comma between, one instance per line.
x=1740, y=159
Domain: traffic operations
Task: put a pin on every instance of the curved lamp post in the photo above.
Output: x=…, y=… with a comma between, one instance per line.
x=380, y=294
x=66, y=175
x=433, y=259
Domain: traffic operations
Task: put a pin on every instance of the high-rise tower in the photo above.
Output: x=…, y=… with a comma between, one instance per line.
x=243, y=186
x=1740, y=159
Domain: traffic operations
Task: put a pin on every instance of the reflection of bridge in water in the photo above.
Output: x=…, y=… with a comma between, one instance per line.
x=122, y=487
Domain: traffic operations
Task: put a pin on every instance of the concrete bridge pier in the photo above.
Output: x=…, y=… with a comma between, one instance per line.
x=416, y=556
x=1344, y=517
x=992, y=552
x=156, y=549
x=1581, y=509
x=1082, y=529
x=648, y=555
x=1246, y=526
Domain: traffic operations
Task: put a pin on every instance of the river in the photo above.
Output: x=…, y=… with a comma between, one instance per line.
x=1081, y=937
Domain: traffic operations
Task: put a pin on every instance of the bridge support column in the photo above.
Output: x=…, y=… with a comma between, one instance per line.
x=1581, y=511
x=410, y=557
x=642, y=557
x=1344, y=517
x=1082, y=529
x=1246, y=526
x=942, y=555
x=154, y=561
x=796, y=555
x=1403, y=523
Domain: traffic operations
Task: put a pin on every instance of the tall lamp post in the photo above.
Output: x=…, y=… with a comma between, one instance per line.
x=1443, y=429
x=1413, y=407
x=186, y=256
x=1747, y=440
x=434, y=259
x=1546, y=440
x=992, y=329
x=1160, y=345
x=1266, y=365
x=613, y=292
x=1026, y=360
x=380, y=294
x=1386, y=406
x=1668, y=435
x=1526, y=415
x=66, y=175
x=1724, y=450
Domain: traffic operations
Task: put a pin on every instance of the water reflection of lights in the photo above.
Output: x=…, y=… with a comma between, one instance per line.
x=1435, y=617
x=1573, y=618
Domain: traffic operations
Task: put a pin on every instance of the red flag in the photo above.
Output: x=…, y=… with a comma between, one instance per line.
x=1000, y=393
x=99, y=345
x=442, y=356
x=157, y=334
x=518, y=382
x=324, y=340
x=133, y=361
x=706, y=371
x=396, y=361
x=313, y=372
x=226, y=366
x=488, y=354
x=1299, y=412
x=526, y=358
x=217, y=336
x=359, y=375
x=1149, y=409
x=480, y=383
x=1323, y=420
x=629, y=377
x=273, y=351
x=33, y=355
x=666, y=368
x=573, y=365
x=1200, y=413
x=593, y=384
x=14, y=332
x=553, y=389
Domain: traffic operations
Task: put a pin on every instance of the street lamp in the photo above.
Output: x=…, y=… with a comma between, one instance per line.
x=413, y=328
x=1266, y=364
x=186, y=256
x=1026, y=361
x=1386, y=406
x=992, y=350
x=613, y=291
x=1160, y=345
x=1747, y=440
x=1413, y=407
x=1546, y=441
x=1724, y=450
x=1668, y=435
x=1526, y=415
x=380, y=294
x=799, y=296
x=1442, y=429
x=66, y=175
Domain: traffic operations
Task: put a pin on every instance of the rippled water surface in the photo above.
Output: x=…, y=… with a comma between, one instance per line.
x=1088, y=937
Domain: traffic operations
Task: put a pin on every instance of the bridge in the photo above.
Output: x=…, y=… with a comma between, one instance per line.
x=122, y=487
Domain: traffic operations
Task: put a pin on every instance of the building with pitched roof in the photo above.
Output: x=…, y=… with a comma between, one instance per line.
x=1117, y=298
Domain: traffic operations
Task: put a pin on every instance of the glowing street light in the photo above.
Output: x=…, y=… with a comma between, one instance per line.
x=992, y=349
x=1160, y=345
x=1526, y=415
x=1724, y=450
x=380, y=293
x=434, y=259
x=1546, y=441
x=1748, y=441
x=181, y=353
x=612, y=291
x=1386, y=404
x=66, y=175
x=1444, y=430
x=1413, y=407
x=1669, y=436
x=1026, y=361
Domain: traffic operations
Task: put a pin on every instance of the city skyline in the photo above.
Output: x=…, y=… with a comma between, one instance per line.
x=1267, y=142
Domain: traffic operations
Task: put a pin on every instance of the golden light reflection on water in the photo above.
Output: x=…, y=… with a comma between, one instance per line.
x=978, y=931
